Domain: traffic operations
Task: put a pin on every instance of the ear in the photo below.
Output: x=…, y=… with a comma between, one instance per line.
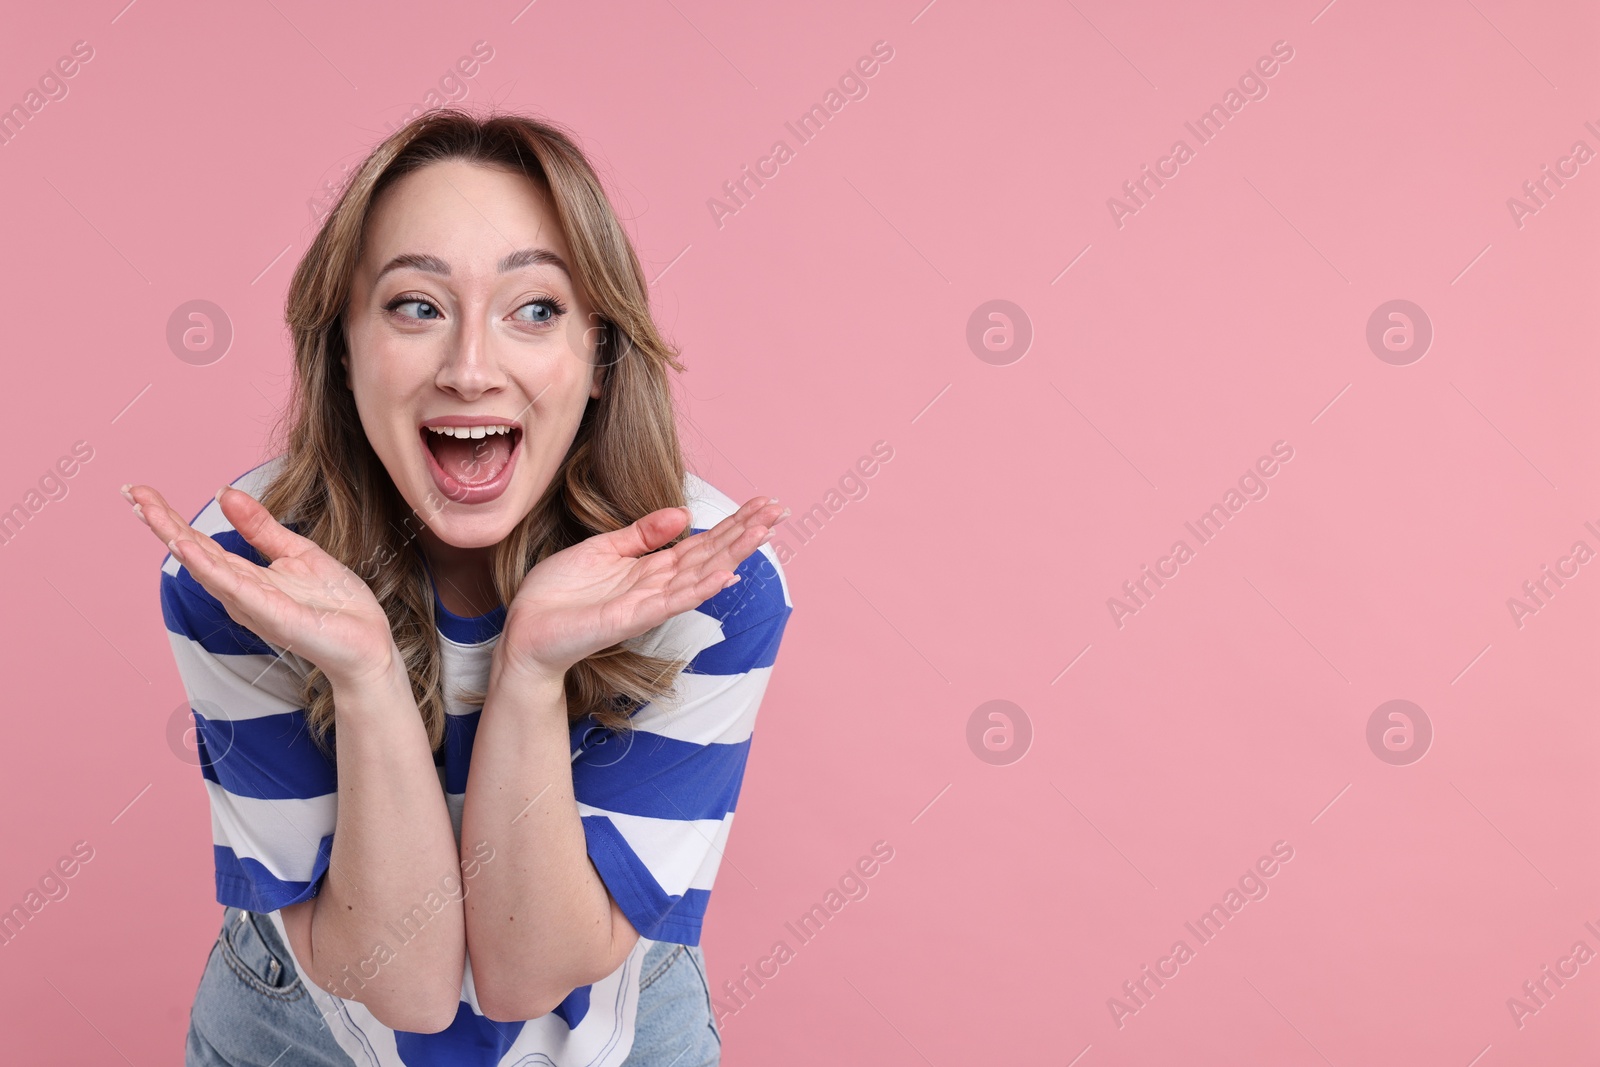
x=598, y=379
x=344, y=357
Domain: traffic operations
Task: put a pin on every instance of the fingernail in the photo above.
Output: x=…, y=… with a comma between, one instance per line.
x=172, y=546
x=224, y=489
x=127, y=495
x=732, y=581
x=783, y=516
x=138, y=509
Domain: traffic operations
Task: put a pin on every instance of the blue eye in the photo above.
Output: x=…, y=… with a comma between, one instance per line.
x=545, y=310
x=402, y=301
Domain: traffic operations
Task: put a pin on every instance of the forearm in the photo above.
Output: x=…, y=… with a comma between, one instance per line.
x=540, y=922
x=394, y=859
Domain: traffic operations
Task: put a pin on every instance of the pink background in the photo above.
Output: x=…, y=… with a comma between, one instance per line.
x=831, y=312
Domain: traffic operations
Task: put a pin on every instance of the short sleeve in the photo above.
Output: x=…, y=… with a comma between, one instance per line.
x=657, y=803
x=272, y=792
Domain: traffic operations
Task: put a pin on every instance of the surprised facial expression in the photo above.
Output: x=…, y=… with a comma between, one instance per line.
x=471, y=346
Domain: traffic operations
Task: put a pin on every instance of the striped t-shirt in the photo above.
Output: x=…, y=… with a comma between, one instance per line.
x=656, y=805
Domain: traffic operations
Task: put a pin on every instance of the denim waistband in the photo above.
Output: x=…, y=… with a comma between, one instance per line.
x=265, y=927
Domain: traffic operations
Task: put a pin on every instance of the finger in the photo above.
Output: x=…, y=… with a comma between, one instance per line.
x=715, y=562
x=257, y=526
x=709, y=560
x=219, y=577
x=729, y=558
x=649, y=532
x=710, y=585
x=165, y=523
x=168, y=525
x=742, y=555
x=685, y=592
x=765, y=512
x=731, y=540
x=724, y=532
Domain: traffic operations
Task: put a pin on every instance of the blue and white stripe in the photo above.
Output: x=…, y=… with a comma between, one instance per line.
x=656, y=805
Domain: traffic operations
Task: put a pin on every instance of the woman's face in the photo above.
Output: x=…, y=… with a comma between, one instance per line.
x=463, y=314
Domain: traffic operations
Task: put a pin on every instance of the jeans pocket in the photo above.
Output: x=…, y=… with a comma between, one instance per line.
x=256, y=960
x=698, y=960
x=657, y=961
x=675, y=1023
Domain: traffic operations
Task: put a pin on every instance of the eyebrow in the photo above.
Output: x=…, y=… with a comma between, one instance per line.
x=523, y=257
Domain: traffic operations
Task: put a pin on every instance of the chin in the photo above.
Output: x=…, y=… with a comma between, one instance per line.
x=473, y=525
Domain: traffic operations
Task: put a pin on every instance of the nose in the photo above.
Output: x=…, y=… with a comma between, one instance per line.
x=468, y=366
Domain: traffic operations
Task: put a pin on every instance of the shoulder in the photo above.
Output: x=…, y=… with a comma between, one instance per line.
x=188, y=608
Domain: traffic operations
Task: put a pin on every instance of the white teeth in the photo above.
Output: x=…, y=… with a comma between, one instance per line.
x=470, y=432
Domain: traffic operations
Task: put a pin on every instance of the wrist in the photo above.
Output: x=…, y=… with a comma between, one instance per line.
x=378, y=674
x=524, y=672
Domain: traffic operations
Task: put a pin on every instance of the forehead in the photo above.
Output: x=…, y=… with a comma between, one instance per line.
x=468, y=214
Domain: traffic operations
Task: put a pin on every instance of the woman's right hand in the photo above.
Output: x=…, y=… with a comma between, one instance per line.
x=304, y=601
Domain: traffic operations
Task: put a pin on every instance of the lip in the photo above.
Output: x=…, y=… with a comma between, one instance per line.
x=474, y=494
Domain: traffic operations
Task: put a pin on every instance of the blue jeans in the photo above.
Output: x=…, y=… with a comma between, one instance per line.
x=252, y=1008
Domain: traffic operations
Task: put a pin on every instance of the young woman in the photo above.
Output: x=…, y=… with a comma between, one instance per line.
x=474, y=660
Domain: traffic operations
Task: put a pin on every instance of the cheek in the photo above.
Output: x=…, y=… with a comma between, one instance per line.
x=383, y=369
x=382, y=390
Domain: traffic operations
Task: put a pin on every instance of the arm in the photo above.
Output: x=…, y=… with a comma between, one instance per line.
x=540, y=923
x=393, y=846
x=378, y=811
x=543, y=921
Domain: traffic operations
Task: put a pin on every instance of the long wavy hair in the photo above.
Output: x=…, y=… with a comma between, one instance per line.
x=624, y=463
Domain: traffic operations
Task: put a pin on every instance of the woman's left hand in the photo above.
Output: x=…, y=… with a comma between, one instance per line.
x=614, y=586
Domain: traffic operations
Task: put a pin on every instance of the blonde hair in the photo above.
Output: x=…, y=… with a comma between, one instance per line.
x=624, y=463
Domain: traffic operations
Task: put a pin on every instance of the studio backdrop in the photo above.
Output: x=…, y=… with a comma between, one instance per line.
x=1188, y=419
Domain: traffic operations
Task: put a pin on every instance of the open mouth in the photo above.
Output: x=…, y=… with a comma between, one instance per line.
x=471, y=464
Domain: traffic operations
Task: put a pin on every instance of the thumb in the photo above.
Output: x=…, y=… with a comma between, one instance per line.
x=651, y=531
x=256, y=524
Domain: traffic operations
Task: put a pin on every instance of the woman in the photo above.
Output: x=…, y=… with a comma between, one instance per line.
x=474, y=715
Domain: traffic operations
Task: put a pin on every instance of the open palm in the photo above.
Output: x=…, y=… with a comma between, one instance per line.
x=304, y=600
x=615, y=585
